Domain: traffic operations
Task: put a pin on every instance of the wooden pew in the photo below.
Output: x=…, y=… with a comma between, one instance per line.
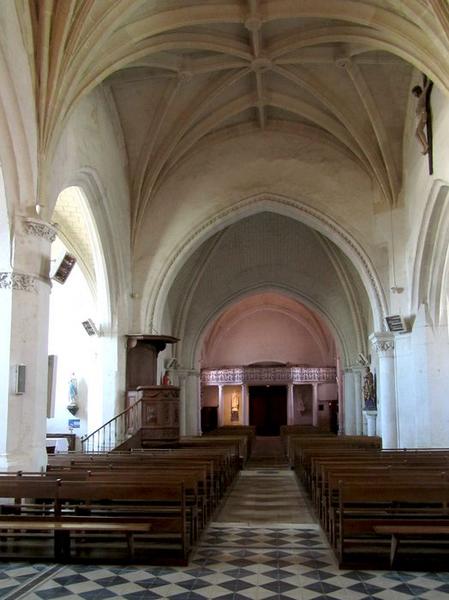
x=364, y=507
x=39, y=518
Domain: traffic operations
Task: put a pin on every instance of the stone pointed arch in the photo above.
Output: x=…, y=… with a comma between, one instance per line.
x=191, y=356
x=429, y=273
x=156, y=290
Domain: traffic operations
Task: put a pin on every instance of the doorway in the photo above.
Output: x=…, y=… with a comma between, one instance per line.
x=268, y=408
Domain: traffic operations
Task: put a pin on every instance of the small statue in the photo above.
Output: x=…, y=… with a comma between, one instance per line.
x=369, y=390
x=235, y=402
x=166, y=379
x=72, y=406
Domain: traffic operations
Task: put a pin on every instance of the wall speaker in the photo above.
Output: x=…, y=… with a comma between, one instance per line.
x=396, y=324
x=90, y=327
x=51, y=387
x=64, y=268
x=20, y=378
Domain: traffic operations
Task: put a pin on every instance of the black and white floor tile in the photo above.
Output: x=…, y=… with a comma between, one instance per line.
x=232, y=563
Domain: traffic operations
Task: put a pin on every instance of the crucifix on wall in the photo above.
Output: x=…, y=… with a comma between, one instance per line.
x=423, y=112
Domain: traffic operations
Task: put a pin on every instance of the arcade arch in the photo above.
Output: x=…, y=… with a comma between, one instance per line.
x=86, y=294
x=5, y=313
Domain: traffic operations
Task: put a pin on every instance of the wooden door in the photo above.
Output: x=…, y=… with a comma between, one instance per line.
x=268, y=408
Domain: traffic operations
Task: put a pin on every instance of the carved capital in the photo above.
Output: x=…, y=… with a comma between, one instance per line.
x=383, y=343
x=39, y=228
x=18, y=281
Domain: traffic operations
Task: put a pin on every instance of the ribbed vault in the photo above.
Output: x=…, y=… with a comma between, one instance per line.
x=183, y=70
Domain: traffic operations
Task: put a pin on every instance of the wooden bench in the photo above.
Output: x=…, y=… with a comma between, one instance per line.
x=417, y=532
x=62, y=527
x=364, y=506
x=155, y=515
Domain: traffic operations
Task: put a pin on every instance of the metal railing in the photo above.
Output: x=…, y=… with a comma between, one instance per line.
x=115, y=432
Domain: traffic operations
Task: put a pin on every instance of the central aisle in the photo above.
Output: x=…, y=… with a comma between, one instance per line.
x=266, y=491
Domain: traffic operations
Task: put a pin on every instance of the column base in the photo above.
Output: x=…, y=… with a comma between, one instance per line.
x=371, y=419
x=34, y=460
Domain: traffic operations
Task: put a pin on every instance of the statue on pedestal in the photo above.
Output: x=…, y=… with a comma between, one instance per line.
x=235, y=405
x=369, y=390
x=72, y=406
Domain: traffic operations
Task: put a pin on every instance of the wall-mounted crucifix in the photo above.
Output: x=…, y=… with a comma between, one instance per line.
x=423, y=111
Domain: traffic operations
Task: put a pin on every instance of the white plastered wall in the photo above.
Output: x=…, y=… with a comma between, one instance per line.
x=91, y=155
x=421, y=242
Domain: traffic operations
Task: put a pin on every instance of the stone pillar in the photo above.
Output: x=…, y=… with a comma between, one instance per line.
x=290, y=405
x=358, y=400
x=383, y=344
x=26, y=289
x=181, y=377
x=315, y=405
x=245, y=404
x=340, y=392
x=220, y=406
x=349, y=402
x=188, y=381
x=193, y=403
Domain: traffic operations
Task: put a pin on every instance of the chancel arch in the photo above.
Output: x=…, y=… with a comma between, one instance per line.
x=267, y=204
x=281, y=257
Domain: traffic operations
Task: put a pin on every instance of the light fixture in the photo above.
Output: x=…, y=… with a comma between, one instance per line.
x=64, y=268
x=396, y=324
x=90, y=327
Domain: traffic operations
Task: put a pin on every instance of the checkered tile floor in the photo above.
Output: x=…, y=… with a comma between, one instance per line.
x=232, y=563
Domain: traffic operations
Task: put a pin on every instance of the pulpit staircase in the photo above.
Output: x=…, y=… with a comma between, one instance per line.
x=152, y=419
x=122, y=432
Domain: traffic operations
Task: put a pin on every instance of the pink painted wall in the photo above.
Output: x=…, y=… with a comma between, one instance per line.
x=268, y=327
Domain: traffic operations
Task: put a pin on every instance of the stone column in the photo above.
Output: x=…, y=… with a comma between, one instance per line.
x=193, y=403
x=358, y=400
x=349, y=403
x=220, y=406
x=315, y=405
x=245, y=404
x=290, y=405
x=188, y=381
x=341, y=406
x=26, y=290
x=383, y=344
x=181, y=377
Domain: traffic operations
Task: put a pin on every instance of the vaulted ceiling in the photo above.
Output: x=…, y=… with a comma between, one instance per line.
x=184, y=72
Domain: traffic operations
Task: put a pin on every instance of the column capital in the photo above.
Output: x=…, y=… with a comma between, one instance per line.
x=181, y=372
x=39, y=228
x=10, y=280
x=383, y=343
